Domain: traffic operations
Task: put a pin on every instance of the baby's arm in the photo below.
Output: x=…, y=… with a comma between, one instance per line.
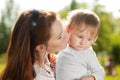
x=64, y=66
x=94, y=66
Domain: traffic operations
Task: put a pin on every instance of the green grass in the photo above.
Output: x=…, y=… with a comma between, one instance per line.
x=112, y=78
x=2, y=58
x=2, y=64
x=117, y=77
x=2, y=67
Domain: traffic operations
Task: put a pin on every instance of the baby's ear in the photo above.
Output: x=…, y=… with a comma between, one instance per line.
x=68, y=29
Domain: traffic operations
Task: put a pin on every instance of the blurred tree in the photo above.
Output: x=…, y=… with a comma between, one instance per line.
x=109, y=39
x=73, y=5
x=63, y=12
x=8, y=16
x=116, y=53
x=107, y=28
x=115, y=38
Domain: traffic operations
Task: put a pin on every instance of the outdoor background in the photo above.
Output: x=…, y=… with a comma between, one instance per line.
x=108, y=43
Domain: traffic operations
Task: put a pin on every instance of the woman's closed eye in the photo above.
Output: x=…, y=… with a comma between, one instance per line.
x=80, y=37
x=59, y=37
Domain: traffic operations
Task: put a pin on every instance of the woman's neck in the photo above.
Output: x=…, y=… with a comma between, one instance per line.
x=42, y=63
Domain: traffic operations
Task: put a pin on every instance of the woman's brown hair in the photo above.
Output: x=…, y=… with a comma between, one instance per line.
x=31, y=29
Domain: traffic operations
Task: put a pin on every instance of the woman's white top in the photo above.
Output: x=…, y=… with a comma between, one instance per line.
x=44, y=74
x=72, y=65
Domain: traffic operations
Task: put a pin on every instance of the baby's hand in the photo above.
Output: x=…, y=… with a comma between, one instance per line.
x=53, y=61
x=90, y=77
x=52, y=58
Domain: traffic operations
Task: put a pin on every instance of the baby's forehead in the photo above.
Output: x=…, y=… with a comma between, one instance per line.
x=83, y=27
x=85, y=30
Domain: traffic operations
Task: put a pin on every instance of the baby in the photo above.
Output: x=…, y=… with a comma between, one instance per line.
x=78, y=61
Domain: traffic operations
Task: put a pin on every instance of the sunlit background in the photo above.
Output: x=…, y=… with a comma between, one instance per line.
x=108, y=43
x=56, y=5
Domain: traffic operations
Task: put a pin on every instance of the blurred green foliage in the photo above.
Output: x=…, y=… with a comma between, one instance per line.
x=2, y=62
x=7, y=18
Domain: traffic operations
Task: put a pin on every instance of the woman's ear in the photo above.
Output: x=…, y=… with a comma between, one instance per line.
x=41, y=47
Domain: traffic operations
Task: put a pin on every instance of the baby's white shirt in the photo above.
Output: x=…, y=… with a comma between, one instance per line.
x=72, y=64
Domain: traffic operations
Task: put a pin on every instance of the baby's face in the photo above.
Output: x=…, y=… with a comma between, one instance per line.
x=80, y=40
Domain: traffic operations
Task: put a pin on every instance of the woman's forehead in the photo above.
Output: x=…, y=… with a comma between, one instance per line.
x=56, y=28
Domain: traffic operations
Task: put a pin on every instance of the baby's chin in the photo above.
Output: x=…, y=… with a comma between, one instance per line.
x=81, y=48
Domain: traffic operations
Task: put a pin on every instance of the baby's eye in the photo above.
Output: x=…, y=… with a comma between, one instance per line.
x=89, y=39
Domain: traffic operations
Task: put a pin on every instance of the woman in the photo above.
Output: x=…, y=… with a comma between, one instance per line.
x=35, y=36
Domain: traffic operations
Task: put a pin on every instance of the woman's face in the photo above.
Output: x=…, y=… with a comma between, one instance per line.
x=59, y=37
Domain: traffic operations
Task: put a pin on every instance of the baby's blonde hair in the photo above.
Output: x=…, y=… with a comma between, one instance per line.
x=83, y=16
